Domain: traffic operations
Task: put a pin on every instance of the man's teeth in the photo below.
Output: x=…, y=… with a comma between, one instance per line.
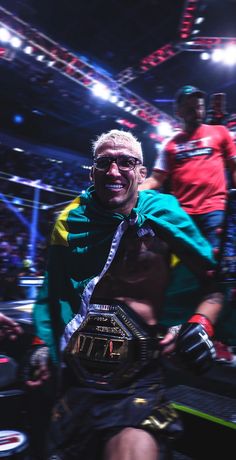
x=114, y=186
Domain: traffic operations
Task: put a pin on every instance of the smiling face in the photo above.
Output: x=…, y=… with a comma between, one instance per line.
x=117, y=189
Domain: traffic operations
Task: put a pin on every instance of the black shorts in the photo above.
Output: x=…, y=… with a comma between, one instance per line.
x=87, y=416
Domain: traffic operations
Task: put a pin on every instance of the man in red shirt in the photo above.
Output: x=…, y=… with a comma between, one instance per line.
x=195, y=160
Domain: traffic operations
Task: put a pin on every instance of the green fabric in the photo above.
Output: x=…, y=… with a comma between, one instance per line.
x=74, y=262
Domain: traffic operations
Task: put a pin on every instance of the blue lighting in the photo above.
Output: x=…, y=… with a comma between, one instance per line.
x=18, y=119
x=164, y=101
x=20, y=217
x=34, y=223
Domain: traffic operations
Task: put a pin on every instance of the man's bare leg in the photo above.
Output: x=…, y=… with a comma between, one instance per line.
x=132, y=444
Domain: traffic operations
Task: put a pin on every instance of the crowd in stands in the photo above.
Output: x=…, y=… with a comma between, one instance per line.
x=56, y=173
x=15, y=252
x=65, y=180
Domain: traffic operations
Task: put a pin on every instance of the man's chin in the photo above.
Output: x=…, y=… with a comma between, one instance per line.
x=112, y=204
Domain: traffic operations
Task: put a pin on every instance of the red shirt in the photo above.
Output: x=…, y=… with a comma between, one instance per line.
x=196, y=167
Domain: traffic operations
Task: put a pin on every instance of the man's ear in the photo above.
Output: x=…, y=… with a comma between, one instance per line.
x=91, y=173
x=142, y=174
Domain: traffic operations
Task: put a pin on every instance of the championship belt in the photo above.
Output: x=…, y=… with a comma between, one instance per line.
x=110, y=346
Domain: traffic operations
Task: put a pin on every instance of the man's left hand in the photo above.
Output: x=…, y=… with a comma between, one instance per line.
x=195, y=347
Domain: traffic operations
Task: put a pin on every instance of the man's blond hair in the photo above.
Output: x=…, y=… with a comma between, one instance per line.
x=117, y=136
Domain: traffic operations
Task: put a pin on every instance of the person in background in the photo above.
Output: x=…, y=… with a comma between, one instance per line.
x=9, y=329
x=97, y=314
x=217, y=113
x=195, y=162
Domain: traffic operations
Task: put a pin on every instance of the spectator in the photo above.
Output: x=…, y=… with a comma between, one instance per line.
x=195, y=161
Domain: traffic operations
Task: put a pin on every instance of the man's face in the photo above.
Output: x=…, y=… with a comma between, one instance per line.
x=117, y=189
x=192, y=110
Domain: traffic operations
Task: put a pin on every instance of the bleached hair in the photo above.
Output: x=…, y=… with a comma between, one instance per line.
x=116, y=135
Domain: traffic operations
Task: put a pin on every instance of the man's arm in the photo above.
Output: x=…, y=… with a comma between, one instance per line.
x=155, y=181
x=211, y=306
x=159, y=172
x=192, y=341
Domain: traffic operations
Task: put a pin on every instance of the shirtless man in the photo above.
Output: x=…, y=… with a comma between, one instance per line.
x=98, y=309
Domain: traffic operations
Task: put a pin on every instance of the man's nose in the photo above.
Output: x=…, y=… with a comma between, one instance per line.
x=113, y=168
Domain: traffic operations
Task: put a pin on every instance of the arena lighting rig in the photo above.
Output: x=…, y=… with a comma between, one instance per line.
x=52, y=55
x=191, y=19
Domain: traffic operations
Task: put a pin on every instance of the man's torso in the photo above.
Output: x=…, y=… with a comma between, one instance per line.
x=139, y=274
x=196, y=166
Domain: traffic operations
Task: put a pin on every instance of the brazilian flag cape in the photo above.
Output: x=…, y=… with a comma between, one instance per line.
x=84, y=241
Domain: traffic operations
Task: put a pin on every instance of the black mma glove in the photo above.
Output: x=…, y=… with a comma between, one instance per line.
x=194, y=344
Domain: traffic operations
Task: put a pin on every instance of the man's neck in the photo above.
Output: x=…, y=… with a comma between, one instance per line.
x=190, y=128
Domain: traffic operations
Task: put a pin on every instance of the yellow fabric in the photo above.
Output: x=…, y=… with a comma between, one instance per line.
x=174, y=260
x=61, y=230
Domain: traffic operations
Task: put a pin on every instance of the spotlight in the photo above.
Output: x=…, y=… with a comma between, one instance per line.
x=101, y=90
x=217, y=55
x=113, y=98
x=40, y=57
x=4, y=35
x=230, y=55
x=18, y=119
x=18, y=149
x=28, y=49
x=164, y=129
x=120, y=104
x=15, y=42
x=205, y=56
x=199, y=20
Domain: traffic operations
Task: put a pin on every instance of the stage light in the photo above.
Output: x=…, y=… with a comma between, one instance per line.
x=50, y=63
x=230, y=55
x=18, y=119
x=15, y=42
x=120, y=104
x=17, y=201
x=28, y=49
x=40, y=57
x=205, y=56
x=164, y=101
x=217, y=55
x=18, y=149
x=164, y=129
x=4, y=35
x=113, y=99
x=199, y=20
x=101, y=90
